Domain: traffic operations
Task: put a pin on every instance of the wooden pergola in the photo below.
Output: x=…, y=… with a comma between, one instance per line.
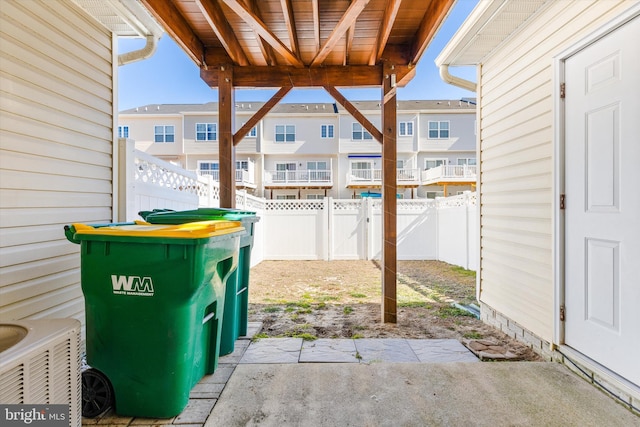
x=288, y=44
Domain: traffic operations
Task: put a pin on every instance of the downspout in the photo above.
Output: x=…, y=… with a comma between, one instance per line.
x=140, y=54
x=456, y=81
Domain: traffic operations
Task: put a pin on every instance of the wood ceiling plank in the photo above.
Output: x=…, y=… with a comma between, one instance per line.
x=212, y=12
x=178, y=28
x=348, y=19
x=259, y=27
x=316, y=25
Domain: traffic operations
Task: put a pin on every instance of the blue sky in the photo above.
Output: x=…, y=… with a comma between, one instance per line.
x=170, y=77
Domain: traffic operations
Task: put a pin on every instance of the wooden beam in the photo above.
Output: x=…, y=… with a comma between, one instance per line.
x=259, y=27
x=168, y=15
x=390, y=13
x=281, y=76
x=349, y=42
x=287, y=11
x=226, y=150
x=275, y=99
x=389, y=202
x=433, y=18
x=315, y=11
x=212, y=12
x=360, y=118
x=348, y=19
x=265, y=48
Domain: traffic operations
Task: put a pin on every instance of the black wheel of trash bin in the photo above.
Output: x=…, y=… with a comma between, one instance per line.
x=97, y=394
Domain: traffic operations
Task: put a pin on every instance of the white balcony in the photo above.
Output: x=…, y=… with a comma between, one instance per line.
x=449, y=174
x=244, y=178
x=365, y=177
x=298, y=178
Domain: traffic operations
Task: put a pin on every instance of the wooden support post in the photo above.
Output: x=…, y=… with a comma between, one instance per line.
x=226, y=149
x=389, y=190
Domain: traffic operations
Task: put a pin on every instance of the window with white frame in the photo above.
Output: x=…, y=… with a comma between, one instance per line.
x=285, y=133
x=315, y=196
x=471, y=161
x=399, y=164
x=123, y=131
x=406, y=128
x=434, y=163
x=206, y=167
x=318, y=171
x=242, y=165
x=286, y=197
x=164, y=134
x=358, y=133
x=253, y=132
x=434, y=194
x=206, y=131
x=326, y=131
x=439, y=130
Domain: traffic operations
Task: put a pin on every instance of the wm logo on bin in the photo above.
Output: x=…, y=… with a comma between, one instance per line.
x=132, y=285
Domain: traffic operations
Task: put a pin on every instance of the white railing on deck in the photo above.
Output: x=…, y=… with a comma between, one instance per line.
x=375, y=175
x=297, y=177
x=449, y=173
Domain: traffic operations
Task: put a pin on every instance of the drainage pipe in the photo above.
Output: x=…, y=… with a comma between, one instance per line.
x=456, y=81
x=140, y=54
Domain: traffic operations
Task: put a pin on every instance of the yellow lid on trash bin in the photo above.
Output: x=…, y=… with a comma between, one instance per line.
x=191, y=230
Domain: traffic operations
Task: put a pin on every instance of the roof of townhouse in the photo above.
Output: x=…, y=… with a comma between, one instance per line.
x=302, y=107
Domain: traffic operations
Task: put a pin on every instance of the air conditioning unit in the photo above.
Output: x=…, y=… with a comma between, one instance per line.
x=40, y=364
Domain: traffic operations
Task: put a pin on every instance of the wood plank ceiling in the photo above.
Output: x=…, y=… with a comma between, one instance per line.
x=302, y=43
x=305, y=43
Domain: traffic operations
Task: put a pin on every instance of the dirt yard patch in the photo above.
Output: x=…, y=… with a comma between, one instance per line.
x=341, y=299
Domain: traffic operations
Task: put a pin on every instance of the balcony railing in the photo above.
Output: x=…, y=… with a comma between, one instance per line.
x=242, y=176
x=374, y=176
x=457, y=173
x=298, y=177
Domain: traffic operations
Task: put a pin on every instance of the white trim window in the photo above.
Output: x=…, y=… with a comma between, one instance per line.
x=164, y=133
x=326, y=131
x=434, y=163
x=286, y=197
x=406, y=128
x=285, y=133
x=209, y=167
x=439, y=129
x=314, y=196
x=206, y=131
x=242, y=165
x=123, y=131
x=253, y=133
x=470, y=161
x=358, y=133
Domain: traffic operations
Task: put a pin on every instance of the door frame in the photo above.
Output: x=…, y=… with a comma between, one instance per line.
x=559, y=178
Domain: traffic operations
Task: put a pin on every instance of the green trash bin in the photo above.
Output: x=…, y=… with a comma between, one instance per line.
x=154, y=302
x=236, y=309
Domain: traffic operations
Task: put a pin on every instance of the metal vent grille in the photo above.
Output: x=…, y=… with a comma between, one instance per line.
x=44, y=368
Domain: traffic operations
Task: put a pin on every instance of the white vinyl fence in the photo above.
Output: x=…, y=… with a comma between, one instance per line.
x=331, y=229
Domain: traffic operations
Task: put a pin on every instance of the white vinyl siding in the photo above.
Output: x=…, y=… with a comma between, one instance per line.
x=517, y=162
x=56, y=153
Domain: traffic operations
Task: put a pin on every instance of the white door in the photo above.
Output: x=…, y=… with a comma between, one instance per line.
x=602, y=186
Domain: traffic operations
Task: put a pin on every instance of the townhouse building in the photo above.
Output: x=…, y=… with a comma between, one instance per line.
x=315, y=150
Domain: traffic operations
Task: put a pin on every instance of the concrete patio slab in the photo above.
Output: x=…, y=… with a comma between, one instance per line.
x=414, y=394
x=273, y=350
x=329, y=351
x=371, y=350
x=441, y=351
